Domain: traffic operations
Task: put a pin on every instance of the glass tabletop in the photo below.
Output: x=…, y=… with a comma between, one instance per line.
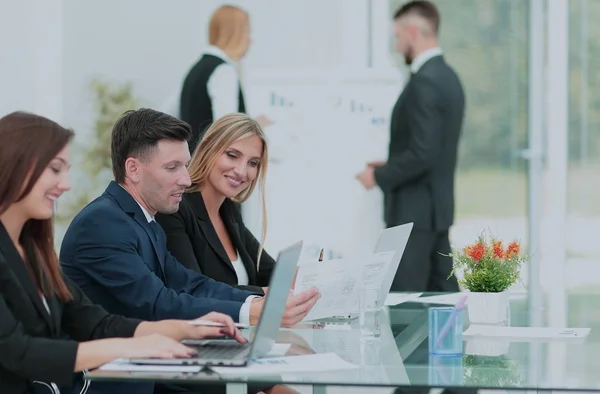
x=400, y=356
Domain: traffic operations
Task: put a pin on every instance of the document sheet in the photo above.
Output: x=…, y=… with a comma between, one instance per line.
x=399, y=298
x=339, y=282
x=309, y=363
x=526, y=332
x=444, y=299
x=123, y=364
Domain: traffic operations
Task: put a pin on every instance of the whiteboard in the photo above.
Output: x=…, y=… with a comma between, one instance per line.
x=327, y=125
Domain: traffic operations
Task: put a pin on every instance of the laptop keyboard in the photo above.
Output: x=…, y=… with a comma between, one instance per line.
x=221, y=350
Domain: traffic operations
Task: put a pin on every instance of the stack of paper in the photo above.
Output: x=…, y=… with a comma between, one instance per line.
x=123, y=364
x=309, y=363
x=444, y=299
x=339, y=281
x=399, y=298
x=526, y=332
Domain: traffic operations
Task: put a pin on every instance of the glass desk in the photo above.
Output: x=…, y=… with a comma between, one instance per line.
x=400, y=357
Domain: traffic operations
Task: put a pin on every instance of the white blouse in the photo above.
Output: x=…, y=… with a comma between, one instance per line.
x=240, y=271
x=46, y=304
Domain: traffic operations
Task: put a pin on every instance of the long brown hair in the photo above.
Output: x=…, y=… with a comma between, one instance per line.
x=28, y=143
x=215, y=141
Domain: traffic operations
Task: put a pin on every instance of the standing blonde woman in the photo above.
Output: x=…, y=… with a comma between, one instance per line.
x=212, y=86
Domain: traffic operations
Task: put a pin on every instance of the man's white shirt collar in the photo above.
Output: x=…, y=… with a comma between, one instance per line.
x=423, y=57
x=149, y=217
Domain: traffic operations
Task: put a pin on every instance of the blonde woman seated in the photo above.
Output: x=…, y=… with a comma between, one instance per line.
x=207, y=234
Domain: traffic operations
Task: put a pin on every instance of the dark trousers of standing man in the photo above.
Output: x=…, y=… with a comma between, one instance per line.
x=424, y=265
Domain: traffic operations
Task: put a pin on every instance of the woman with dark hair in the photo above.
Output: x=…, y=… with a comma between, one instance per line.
x=38, y=305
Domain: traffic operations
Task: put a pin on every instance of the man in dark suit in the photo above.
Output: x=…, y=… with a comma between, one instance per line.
x=116, y=252
x=418, y=178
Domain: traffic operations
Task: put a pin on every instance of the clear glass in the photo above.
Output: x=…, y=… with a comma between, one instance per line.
x=370, y=351
x=445, y=332
x=583, y=216
x=369, y=312
x=502, y=363
x=445, y=371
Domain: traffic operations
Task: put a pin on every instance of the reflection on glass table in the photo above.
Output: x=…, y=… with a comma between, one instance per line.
x=400, y=356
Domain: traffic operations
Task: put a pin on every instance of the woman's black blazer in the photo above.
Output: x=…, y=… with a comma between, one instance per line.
x=33, y=344
x=193, y=240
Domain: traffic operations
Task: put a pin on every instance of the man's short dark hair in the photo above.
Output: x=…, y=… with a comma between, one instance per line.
x=137, y=132
x=423, y=8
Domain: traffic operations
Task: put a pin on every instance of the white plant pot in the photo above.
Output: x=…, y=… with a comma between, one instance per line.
x=487, y=308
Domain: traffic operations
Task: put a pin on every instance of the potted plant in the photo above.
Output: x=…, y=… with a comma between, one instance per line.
x=489, y=269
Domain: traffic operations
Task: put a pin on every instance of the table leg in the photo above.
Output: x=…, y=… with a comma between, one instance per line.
x=319, y=389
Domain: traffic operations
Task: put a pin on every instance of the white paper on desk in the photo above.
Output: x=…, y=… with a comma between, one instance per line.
x=337, y=327
x=526, y=332
x=279, y=349
x=339, y=280
x=278, y=365
x=122, y=364
x=399, y=298
x=444, y=299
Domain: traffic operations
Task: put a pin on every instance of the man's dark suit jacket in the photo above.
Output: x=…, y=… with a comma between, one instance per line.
x=32, y=341
x=111, y=252
x=418, y=179
x=193, y=240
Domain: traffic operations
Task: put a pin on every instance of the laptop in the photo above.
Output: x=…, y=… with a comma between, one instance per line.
x=230, y=353
x=393, y=238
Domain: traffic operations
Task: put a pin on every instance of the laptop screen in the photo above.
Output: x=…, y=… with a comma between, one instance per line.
x=276, y=299
x=393, y=238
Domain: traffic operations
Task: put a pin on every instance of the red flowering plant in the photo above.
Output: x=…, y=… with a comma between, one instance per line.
x=487, y=265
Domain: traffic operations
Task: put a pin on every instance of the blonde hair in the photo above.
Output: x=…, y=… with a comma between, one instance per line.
x=227, y=29
x=219, y=136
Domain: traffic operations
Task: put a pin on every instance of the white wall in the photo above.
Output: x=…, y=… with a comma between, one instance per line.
x=51, y=49
x=153, y=42
x=16, y=86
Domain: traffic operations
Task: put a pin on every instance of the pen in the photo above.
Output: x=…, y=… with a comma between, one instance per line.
x=208, y=323
x=321, y=254
x=457, y=310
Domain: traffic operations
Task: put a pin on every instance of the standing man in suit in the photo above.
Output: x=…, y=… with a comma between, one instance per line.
x=418, y=179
